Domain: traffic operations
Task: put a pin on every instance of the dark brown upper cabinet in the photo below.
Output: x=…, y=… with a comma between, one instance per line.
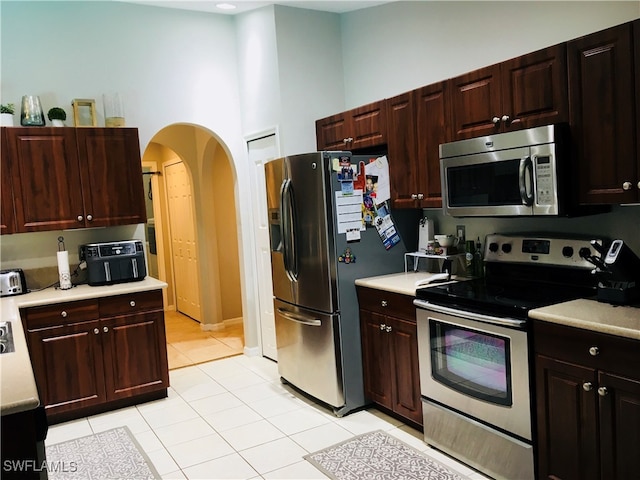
x=362, y=127
x=523, y=92
x=64, y=178
x=8, y=220
x=603, y=115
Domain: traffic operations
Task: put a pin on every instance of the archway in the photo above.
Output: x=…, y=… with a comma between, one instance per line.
x=212, y=178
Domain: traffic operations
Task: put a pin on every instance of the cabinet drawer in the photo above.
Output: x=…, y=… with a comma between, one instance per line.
x=387, y=303
x=60, y=314
x=131, y=303
x=584, y=347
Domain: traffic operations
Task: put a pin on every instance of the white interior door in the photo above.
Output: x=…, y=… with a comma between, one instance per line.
x=183, y=239
x=261, y=150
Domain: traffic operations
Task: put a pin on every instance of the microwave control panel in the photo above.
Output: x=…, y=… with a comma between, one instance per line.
x=545, y=194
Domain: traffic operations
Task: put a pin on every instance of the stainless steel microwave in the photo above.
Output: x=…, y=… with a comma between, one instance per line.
x=507, y=174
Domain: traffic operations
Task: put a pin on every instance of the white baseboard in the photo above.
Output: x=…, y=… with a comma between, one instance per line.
x=252, y=351
x=214, y=327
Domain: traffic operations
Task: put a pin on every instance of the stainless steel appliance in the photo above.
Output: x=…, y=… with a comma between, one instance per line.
x=515, y=173
x=12, y=282
x=114, y=262
x=316, y=308
x=474, y=343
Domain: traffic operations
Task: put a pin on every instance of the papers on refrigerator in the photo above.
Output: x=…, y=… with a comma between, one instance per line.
x=349, y=211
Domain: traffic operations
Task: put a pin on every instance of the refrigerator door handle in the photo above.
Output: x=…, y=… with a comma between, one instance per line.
x=296, y=317
x=288, y=224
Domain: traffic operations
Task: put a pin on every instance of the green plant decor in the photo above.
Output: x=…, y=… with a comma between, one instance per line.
x=57, y=113
x=7, y=108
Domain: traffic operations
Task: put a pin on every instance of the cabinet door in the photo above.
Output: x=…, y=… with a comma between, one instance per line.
x=432, y=125
x=404, y=167
x=405, y=376
x=475, y=99
x=602, y=98
x=8, y=220
x=43, y=164
x=67, y=364
x=331, y=132
x=619, y=426
x=567, y=420
x=111, y=176
x=368, y=126
x=135, y=354
x=534, y=89
x=376, y=358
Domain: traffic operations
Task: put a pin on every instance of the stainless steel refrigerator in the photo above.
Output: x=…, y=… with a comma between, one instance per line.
x=315, y=303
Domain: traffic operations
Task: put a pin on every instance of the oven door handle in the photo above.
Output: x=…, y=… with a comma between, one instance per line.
x=506, y=321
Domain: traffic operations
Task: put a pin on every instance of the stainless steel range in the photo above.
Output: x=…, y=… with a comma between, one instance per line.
x=474, y=348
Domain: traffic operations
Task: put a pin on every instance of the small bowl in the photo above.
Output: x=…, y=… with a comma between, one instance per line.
x=446, y=240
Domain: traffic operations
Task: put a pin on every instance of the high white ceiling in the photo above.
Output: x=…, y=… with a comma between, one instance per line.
x=335, y=6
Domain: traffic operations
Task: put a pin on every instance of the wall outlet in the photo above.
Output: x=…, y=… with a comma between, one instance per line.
x=460, y=233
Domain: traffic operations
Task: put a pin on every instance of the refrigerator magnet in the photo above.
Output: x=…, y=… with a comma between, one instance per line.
x=347, y=257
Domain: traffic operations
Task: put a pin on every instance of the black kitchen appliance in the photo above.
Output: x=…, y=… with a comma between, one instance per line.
x=12, y=282
x=474, y=344
x=114, y=262
x=618, y=273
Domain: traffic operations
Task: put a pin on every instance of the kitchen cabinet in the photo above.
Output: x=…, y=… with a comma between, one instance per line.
x=390, y=352
x=603, y=95
x=523, y=92
x=66, y=178
x=417, y=125
x=7, y=219
x=362, y=127
x=588, y=403
x=96, y=354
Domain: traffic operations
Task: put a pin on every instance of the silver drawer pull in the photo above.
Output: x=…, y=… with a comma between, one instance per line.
x=382, y=327
x=96, y=331
x=105, y=329
x=63, y=314
x=384, y=303
x=132, y=303
x=603, y=391
x=587, y=386
x=594, y=351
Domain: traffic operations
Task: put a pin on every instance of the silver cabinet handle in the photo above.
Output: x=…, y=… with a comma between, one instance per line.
x=603, y=391
x=63, y=314
x=80, y=218
x=638, y=185
x=96, y=331
x=505, y=118
x=495, y=120
x=132, y=303
x=594, y=351
x=382, y=327
x=387, y=329
x=414, y=196
x=384, y=303
x=89, y=217
x=420, y=196
x=105, y=329
x=587, y=386
x=626, y=186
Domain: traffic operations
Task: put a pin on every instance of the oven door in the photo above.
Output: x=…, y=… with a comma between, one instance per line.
x=476, y=365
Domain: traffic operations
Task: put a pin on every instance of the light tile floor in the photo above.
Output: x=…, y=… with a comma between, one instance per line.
x=234, y=419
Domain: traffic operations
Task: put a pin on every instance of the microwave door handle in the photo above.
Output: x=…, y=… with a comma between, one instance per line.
x=526, y=194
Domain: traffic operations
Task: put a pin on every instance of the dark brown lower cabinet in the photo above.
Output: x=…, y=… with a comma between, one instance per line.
x=588, y=404
x=390, y=352
x=94, y=355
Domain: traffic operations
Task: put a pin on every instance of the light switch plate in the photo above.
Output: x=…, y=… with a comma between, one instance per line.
x=460, y=233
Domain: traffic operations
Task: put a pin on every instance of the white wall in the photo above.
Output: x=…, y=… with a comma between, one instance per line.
x=394, y=48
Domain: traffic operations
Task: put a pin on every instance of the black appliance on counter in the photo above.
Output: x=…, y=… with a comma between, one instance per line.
x=618, y=272
x=114, y=262
x=474, y=348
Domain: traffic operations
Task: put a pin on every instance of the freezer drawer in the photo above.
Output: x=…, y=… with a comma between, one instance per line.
x=309, y=354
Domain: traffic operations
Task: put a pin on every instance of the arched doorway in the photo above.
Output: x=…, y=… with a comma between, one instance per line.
x=208, y=172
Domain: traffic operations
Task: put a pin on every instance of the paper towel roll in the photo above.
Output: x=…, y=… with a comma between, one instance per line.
x=63, y=270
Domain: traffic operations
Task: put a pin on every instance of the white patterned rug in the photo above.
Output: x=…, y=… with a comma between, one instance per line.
x=377, y=455
x=113, y=454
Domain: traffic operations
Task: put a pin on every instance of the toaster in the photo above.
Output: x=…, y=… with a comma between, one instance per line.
x=114, y=262
x=12, y=282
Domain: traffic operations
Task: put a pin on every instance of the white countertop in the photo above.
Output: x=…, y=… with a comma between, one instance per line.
x=593, y=315
x=18, y=390
x=403, y=283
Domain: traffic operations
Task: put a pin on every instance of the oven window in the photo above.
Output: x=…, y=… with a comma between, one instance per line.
x=484, y=184
x=471, y=362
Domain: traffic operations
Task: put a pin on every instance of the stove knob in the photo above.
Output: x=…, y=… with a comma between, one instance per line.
x=584, y=252
x=506, y=248
x=493, y=247
x=567, y=252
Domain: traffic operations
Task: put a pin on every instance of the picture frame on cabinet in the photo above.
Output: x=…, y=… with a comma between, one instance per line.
x=84, y=112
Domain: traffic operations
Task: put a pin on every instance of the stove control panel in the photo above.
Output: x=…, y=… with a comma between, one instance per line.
x=540, y=249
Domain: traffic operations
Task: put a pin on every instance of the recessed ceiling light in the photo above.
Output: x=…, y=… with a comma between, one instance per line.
x=225, y=6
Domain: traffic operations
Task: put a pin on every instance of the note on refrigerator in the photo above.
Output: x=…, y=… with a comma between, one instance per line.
x=349, y=211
